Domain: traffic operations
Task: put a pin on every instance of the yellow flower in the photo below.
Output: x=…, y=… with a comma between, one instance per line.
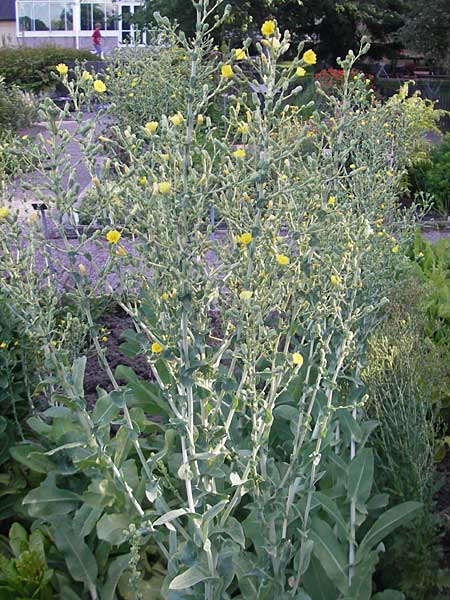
x=62, y=69
x=164, y=187
x=24, y=138
x=3, y=345
x=143, y=180
x=104, y=338
x=242, y=128
x=131, y=94
x=239, y=153
x=282, y=259
x=86, y=76
x=331, y=200
x=246, y=238
x=297, y=359
x=164, y=296
x=334, y=280
x=165, y=157
x=352, y=166
x=4, y=212
x=395, y=249
x=99, y=86
x=151, y=127
x=268, y=28
x=82, y=269
x=300, y=72
x=200, y=119
x=227, y=71
x=245, y=295
x=389, y=173
x=113, y=236
x=156, y=348
x=310, y=57
x=177, y=119
x=239, y=53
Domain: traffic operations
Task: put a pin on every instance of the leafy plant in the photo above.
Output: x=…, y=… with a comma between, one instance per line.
x=17, y=108
x=257, y=478
x=26, y=575
x=404, y=377
x=431, y=176
x=31, y=68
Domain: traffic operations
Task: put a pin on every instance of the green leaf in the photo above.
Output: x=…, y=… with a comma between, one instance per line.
x=233, y=529
x=78, y=369
x=284, y=411
x=67, y=446
x=111, y=527
x=48, y=500
x=316, y=583
x=360, y=476
x=115, y=571
x=123, y=445
x=85, y=519
x=330, y=553
x=350, y=424
x=170, y=516
x=332, y=509
x=80, y=561
x=28, y=455
x=213, y=511
x=384, y=525
x=147, y=394
x=105, y=411
x=188, y=579
x=18, y=539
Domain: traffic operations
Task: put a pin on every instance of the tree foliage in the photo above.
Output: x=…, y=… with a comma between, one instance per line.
x=427, y=30
x=333, y=27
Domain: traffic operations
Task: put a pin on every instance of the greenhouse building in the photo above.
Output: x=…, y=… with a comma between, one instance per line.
x=70, y=23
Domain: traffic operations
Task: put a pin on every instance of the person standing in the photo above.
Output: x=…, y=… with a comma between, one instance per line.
x=97, y=41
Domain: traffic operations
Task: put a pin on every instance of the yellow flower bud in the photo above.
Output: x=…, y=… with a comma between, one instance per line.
x=297, y=359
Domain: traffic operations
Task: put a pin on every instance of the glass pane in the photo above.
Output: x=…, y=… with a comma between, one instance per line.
x=111, y=17
x=69, y=18
x=99, y=14
x=57, y=16
x=126, y=14
x=86, y=17
x=24, y=13
x=41, y=16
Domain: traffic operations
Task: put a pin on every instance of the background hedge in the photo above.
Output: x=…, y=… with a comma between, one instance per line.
x=29, y=68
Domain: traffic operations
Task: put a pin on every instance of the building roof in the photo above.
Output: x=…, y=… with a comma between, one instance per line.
x=7, y=10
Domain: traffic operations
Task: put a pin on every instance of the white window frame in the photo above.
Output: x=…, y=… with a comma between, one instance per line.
x=48, y=32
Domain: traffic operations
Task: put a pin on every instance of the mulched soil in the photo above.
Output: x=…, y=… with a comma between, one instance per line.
x=115, y=323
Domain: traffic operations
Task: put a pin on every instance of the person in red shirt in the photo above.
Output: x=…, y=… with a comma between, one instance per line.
x=97, y=41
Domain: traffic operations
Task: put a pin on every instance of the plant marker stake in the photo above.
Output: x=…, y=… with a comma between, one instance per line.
x=42, y=208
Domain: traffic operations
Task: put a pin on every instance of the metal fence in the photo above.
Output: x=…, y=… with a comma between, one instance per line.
x=434, y=89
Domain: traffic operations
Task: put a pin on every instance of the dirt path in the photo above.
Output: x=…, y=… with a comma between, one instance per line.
x=21, y=189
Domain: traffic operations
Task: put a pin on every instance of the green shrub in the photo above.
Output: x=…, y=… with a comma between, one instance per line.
x=404, y=377
x=257, y=479
x=30, y=68
x=432, y=176
x=145, y=84
x=17, y=108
